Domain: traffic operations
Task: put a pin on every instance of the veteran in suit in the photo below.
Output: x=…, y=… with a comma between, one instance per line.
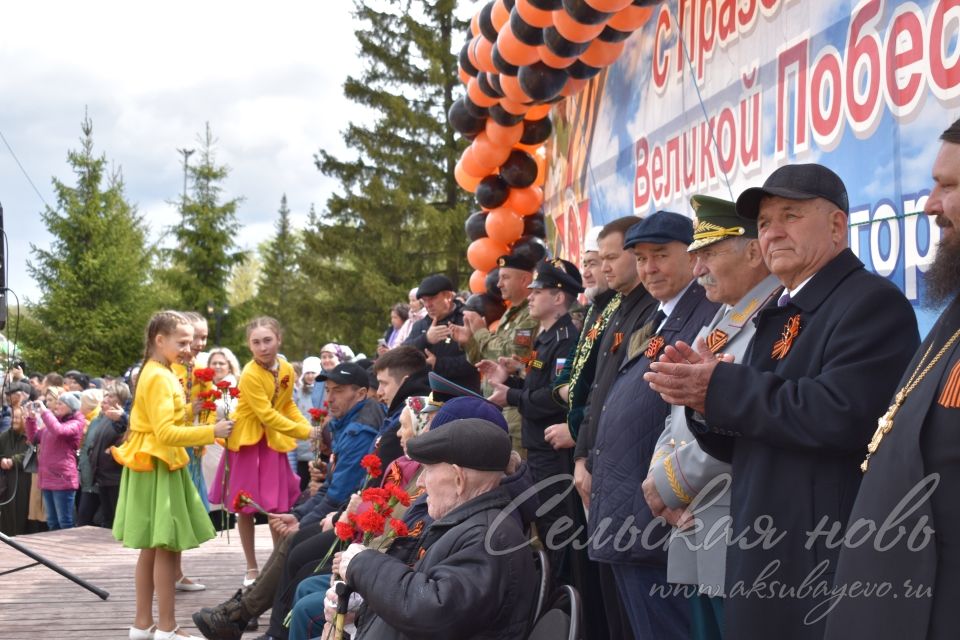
x=729, y=266
x=794, y=418
x=916, y=447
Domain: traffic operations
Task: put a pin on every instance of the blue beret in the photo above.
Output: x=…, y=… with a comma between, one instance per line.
x=469, y=407
x=660, y=228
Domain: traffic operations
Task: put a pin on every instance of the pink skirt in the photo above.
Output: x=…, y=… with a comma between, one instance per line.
x=260, y=471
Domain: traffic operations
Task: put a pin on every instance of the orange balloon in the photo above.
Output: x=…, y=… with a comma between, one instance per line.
x=484, y=50
x=477, y=96
x=499, y=15
x=475, y=24
x=464, y=76
x=608, y=6
x=514, y=51
x=525, y=201
x=550, y=59
x=541, y=160
x=602, y=54
x=515, y=108
x=482, y=253
x=503, y=225
x=474, y=168
x=529, y=148
x=472, y=52
x=573, y=86
x=538, y=112
x=478, y=281
x=533, y=16
x=466, y=181
x=631, y=18
x=511, y=88
x=504, y=136
x=575, y=31
x=487, y=153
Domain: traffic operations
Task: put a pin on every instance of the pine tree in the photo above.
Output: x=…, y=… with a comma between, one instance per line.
x=94, y=302
x=399, y=213
x=205, y=251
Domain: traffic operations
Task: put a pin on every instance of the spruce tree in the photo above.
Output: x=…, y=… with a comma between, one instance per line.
x=205, y=251
x=94, y=302
x=398, y=214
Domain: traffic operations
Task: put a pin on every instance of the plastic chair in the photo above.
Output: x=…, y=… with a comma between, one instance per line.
x=563, y=619
x=542, y=562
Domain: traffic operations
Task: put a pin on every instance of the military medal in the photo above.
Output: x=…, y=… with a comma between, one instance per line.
x=653, y=347
x=717, y=340
x=885, y=423
x=790, y=331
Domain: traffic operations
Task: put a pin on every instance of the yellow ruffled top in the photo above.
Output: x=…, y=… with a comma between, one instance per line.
x=196, y=387
x=156, y=423
x=266, y=406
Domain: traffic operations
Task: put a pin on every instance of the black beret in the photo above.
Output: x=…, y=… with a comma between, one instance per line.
x=524, y=263
x=432, y=285
x=471, y=443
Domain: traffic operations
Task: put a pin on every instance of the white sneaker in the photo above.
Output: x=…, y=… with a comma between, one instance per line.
x=172, y=635
x=180, y=585
x=142, y=634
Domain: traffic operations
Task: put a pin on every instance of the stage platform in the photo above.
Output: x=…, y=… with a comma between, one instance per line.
x=37, y=603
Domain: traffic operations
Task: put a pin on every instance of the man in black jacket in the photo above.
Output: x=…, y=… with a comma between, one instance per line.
x=554, y=289
x=795, y=418
x=470, y=575
x=915, y=450
x=433, y=334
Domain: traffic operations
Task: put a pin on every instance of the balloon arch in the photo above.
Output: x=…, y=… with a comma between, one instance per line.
x=521, y=57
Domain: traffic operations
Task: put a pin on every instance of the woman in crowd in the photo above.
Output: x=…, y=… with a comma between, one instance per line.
x=110, y=431
x=394, y=336
x=57, y=435
x=38, y=513
x=268, y=424
x=90, y=400
x=225, y=367
x=14, y=480
x=159, y=510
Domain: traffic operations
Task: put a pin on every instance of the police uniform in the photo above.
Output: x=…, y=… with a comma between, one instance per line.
x=533, y=397
x=513, y=338
x=683, y=472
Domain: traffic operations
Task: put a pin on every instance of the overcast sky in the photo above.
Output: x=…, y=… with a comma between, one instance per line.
x=267, y=76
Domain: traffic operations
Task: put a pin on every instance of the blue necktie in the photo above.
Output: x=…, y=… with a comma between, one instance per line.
x=784, y=299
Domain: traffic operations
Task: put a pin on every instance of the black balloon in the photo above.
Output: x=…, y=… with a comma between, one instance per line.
x=475, y=226
x=542, y=82
x=474, y=109
x=462, y=121
x=535, y=225
x=503, y=117
x=492, y=192
x=546, y=5
x=520, y=169
x=583, y=13
x=483, y=81
x=490, y=307
x=560, y=46
x=530, y=248
x=501, y=64
x=527, y=34
x=494, y=80
x=487, y=30
x=582, y=71
x=609, y=34
x=465, y=63
x=536, y=131
x=493, y=277
x=509, y=4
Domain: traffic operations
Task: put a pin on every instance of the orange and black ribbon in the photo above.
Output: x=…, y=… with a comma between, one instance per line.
x=950, y=396
x=717, y=340
x=790, y=331
x=617, y=341
x=653, y=347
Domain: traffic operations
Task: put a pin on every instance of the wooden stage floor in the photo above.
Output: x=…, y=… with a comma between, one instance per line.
x=37, y=603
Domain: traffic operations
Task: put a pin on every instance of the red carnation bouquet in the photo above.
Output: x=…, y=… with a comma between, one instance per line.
x=244, y=499
x=204, y=374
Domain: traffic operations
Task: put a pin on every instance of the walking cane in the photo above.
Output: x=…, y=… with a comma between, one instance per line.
x=343, y=605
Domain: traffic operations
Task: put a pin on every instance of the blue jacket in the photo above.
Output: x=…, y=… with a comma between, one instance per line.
x=353, y=436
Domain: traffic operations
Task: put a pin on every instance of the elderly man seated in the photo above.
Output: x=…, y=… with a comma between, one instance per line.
x=471, y=574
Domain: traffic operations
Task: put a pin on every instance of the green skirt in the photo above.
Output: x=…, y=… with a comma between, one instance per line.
x=160, y=509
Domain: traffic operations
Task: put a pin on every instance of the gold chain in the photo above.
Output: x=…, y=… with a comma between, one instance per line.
x=885, y=423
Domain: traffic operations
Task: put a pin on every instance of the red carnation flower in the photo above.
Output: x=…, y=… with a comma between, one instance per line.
x=204, y=374
x=371, y=522
x=344, y=530
x=399, y=527
x=208, y=405
x=400, y=495
x=315, y=413
x=372, y=464
x=376, y=496
x=223, y=384
x=234, y=392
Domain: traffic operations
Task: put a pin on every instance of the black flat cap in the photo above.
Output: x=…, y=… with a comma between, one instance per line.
x=432, y=285
x=660, y=228
x=796, y=182
x=521, y=262
x=557, y=274
x=471, y=443
x=346, y=373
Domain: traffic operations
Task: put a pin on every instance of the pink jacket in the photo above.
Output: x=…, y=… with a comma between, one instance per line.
x=57, y=449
